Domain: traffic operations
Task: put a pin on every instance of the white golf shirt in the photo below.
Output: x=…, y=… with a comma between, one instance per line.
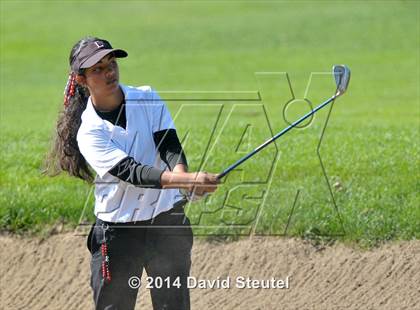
x=104, y=145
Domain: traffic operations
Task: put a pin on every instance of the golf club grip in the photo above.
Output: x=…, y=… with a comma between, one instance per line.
x=269, y=141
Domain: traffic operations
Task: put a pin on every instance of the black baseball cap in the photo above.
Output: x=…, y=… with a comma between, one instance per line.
x=93, y=51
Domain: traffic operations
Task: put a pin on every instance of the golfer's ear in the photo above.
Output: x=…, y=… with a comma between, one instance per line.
x=81, y=80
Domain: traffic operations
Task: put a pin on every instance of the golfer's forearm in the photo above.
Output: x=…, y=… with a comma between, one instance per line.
x=180, y=168
x=128, y=170
x=177, y=179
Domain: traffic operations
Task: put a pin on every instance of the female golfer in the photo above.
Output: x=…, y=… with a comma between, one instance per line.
x=127, y=136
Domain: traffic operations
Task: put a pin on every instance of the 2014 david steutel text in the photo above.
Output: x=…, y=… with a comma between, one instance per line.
x=239, y=282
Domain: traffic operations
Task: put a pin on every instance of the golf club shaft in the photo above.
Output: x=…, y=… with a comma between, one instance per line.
x=259, y=148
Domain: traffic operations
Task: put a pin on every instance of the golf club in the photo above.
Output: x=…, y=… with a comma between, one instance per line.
x=342, y=78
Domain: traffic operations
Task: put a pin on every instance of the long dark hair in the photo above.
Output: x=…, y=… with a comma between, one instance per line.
x=65, y=154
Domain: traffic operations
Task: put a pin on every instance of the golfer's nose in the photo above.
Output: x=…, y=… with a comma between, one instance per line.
x=110, y=72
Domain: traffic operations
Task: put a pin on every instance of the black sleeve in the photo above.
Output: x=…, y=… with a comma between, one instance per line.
x=128, y=170
x=170, y=148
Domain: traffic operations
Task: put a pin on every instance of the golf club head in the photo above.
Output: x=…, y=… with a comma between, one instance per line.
x=342, y=78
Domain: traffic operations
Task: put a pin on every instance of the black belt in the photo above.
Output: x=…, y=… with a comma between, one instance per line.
x=178, y=207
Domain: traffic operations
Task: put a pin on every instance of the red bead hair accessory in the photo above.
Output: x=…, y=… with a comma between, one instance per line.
x=69, y=89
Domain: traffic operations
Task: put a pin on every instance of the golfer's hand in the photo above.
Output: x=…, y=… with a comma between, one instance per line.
x=204, y=183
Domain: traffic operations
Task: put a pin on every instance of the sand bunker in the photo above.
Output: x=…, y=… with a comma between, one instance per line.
x=54, y=274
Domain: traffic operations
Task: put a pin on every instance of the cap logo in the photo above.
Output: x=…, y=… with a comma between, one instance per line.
x=99, y=44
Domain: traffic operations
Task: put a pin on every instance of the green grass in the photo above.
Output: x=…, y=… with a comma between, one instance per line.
x=370, y=148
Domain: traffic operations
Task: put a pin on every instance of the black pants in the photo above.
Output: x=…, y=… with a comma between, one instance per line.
x=162, y=246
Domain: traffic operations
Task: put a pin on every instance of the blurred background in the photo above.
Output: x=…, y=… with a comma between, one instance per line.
x=358, y=157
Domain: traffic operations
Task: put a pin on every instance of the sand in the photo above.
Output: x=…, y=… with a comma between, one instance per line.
x=53, y=273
